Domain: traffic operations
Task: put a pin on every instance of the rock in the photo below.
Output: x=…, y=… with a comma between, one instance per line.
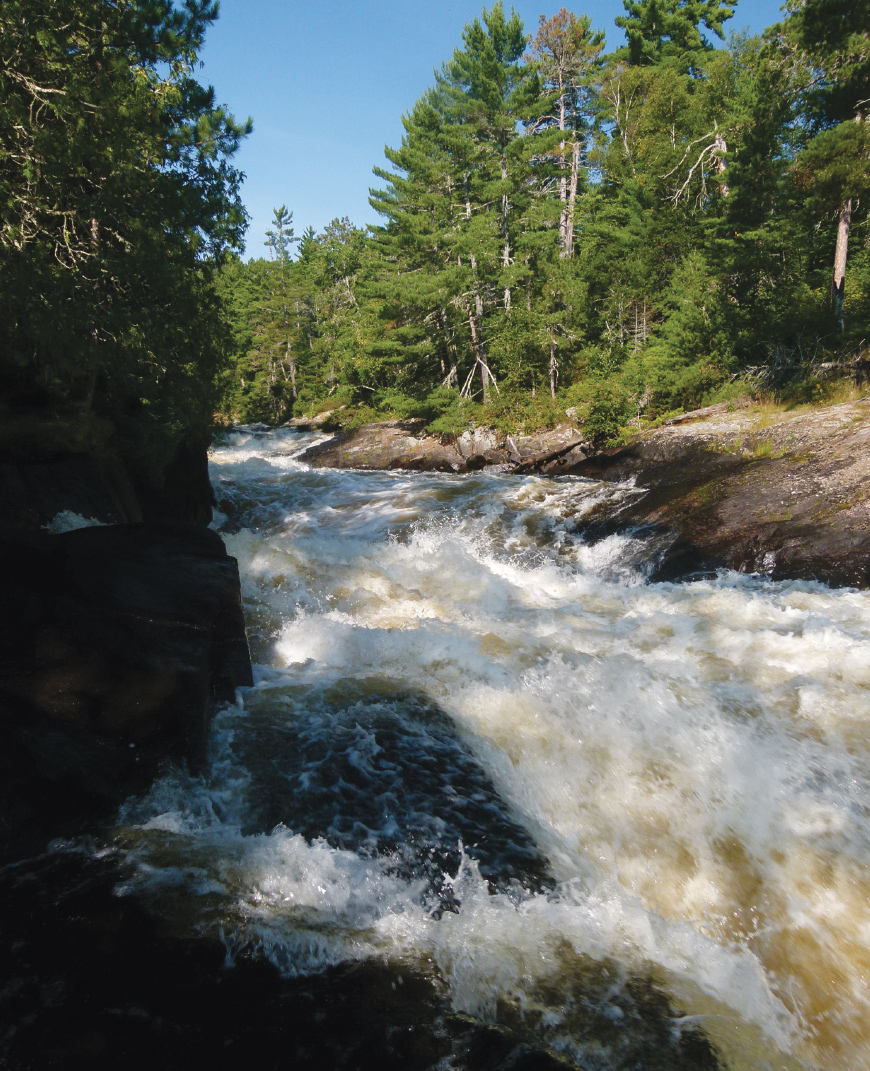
x=94, y=487
x=482, y=442
x=557, y=460
x=115, y=644
x=541, y=445
x=51, y=466
x=405, y=444
x=719, y=409
x=396, y=444
x=312, y=423
x=88, y=975
x=181, y=493
x=786, y=495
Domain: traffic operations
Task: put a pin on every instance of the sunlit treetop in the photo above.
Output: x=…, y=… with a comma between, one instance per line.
x=668, y=32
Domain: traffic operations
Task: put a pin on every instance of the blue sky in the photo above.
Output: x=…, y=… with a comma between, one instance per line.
x=327, y=81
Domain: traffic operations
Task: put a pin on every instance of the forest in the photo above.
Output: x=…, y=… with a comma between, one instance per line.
x=118, y=204
x=621, y=234
x=629, y=233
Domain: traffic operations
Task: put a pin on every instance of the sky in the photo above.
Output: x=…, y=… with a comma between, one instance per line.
x=327, y=81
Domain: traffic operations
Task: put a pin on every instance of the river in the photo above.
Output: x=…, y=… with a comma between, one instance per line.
x=482, y=748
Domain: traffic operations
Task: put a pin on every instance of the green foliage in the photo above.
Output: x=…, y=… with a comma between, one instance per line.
x=632, y=234
x=117, y=201
x=608, y=413
x=667, y=32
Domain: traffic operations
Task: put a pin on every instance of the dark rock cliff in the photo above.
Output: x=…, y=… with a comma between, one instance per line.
x=116, y=640
x=97, y=483
x=115, y=644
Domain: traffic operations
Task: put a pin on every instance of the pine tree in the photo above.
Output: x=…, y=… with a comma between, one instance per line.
x=667, y=32
x=458, y=197
x=485, y=92
x=834, y=35
x=567, y=53
x=420, y=283
x=279, y=325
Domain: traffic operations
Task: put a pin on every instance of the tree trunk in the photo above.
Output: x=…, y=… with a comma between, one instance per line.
x=564, y=240
x=94, y=348
x=292, y=364
x=720, y=147
x=838, y=283
x=475, y=324
x=554, y=369
x=478, y=355
x=451, y=377
x=506, y=252
x=572, y=199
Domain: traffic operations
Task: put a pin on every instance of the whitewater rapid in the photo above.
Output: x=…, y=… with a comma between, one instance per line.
x=480, y=745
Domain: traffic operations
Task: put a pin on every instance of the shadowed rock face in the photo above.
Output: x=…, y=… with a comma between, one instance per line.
x=39, y=480
x=115, y=643
x=787, y=496
x=33, y=492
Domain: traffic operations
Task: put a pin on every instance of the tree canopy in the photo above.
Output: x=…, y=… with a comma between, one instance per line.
x=627, y=233
x=117, y=202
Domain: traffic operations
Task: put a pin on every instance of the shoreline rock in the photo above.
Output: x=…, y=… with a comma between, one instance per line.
x=115, y=644
x=405, y=444
x=783, y=494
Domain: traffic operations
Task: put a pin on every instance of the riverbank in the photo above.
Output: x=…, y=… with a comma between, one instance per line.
x=121, y=624
x=784, y=493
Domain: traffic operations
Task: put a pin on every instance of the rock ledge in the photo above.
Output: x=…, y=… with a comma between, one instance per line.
x=116, y=643
x=784, y=494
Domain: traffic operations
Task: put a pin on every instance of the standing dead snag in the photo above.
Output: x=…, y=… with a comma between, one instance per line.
x=841, y=254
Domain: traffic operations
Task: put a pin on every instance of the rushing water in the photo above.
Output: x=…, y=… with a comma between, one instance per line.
x=481, y=747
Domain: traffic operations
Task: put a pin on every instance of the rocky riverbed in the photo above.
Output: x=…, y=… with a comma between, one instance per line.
x=784, y=494
x=777, y=492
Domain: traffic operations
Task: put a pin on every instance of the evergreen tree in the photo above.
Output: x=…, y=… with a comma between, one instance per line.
x=116, y=199
x=834, y=167
x=461, y=197
x=624, y=233
x=279, y=324
x=667, y=32
x=567, y=53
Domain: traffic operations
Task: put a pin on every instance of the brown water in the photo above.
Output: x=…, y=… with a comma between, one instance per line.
x=480, y=747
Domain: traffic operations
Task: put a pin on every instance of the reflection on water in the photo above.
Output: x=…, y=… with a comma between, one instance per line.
x=482, y=745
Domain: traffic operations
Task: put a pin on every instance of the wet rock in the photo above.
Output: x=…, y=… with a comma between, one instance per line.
x=91, y=978
x=398, y=444
x=784, y=494
x=407, y=445
x=421, y=775
x=115, y=643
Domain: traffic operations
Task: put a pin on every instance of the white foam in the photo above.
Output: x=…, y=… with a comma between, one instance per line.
x=691, y=759
x=68, y=521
